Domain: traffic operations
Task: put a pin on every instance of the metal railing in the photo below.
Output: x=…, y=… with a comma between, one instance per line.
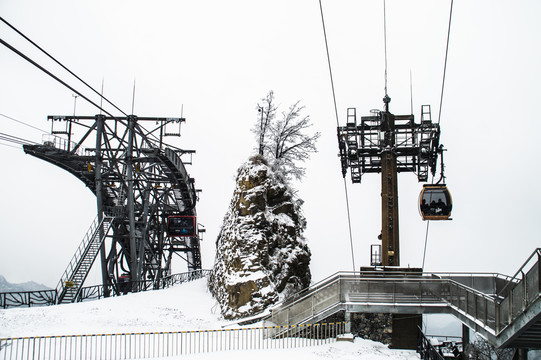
x=348, y=289
x=515, y=298
x=164, y=344
x=27, y=298
x=87, y=251
x=49, y=297
x=502, y=301
x=62, y=144
x=425, y=349
x=79, y=253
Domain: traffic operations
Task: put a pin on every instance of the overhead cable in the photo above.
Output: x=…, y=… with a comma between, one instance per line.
x=15, y=139
x=385, y=42
x=337, y=124
x=445, y=61
x=439, y=113
x=11, y=146
x=51, y=75
x=61, y=65
x=22, y=122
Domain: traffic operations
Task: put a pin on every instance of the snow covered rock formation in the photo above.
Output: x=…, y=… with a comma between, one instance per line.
x=261, y=254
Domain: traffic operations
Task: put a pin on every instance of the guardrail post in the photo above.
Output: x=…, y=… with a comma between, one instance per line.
x=475, y=306
x=347, y=325
x=524, y=292
x=539, y=271
x=497, y=317
x=486, y=311
x=312, y=304
x=510, y=312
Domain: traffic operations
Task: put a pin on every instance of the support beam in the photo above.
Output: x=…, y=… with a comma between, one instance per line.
x=100, y=120
x=135, y=276
x=389, y=192
x=139, y=180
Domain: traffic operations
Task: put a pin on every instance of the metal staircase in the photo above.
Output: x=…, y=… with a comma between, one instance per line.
x=505, y=310
x=72, y=280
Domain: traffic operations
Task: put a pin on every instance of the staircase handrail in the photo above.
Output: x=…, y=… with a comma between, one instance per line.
x=81, y=251
x=329, y=280
x=478, y=309
x=345, y=276
x=425, y=349
x=514, y=279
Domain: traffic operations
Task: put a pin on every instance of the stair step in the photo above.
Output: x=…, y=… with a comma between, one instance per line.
x=83, y=259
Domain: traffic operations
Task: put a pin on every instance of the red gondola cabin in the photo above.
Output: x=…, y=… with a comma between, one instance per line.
x=181, y=226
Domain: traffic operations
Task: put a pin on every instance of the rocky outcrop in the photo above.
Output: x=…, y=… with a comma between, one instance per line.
x=376, y=327
x=261, y=254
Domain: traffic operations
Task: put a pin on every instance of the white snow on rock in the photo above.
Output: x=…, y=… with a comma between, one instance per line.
x=262, y=256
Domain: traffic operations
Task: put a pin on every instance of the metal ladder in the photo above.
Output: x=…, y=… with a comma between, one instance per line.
x=425, y=143
x=353, y=146
x=72, y=279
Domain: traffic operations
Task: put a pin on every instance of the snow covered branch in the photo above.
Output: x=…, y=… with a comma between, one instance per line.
x=285, y=141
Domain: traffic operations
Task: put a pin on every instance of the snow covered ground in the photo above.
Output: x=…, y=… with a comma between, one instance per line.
x=359, y=350
x=183, y=307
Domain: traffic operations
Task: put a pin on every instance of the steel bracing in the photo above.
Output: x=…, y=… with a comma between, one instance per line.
x=139, y=181
x=506, y=310
x=389, y=144
x=415, y=145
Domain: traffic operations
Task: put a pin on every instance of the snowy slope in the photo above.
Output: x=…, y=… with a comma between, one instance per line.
x=183, y=307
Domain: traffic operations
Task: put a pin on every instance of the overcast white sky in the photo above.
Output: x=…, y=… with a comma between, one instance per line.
x=219, y=58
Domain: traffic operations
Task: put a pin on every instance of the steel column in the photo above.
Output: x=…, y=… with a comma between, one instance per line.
x=135, y=276
x=100, y=122
x=389, y=192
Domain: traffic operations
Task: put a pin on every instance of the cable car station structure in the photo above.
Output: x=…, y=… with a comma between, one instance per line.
x=139, y=182
x=388, y=144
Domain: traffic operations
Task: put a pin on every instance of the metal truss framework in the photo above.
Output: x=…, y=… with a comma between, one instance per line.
x=388, y=144
x=415, y=145
x=138, y=180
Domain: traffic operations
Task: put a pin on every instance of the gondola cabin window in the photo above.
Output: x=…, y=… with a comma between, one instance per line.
x=435, y=202
x=181, y=226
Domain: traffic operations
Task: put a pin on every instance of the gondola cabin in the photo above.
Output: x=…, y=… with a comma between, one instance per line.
x=181, y=226
x=435, y=202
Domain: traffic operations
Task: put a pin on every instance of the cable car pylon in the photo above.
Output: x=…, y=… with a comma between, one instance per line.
x=141, y=186
x=389, y=144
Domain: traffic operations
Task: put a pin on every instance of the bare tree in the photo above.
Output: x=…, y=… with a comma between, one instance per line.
x=481, y=349
x=289, y=143
x=267, y=113
x=285, y=142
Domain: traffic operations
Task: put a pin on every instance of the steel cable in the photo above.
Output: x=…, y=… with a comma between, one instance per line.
x=337, y=124
x=61, y=65
x=439, y=112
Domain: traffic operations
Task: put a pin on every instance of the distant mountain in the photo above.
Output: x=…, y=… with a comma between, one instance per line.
x=6, y=286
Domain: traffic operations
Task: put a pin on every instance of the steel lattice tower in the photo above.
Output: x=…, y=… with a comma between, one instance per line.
x=139, y=181
x=388, y=144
